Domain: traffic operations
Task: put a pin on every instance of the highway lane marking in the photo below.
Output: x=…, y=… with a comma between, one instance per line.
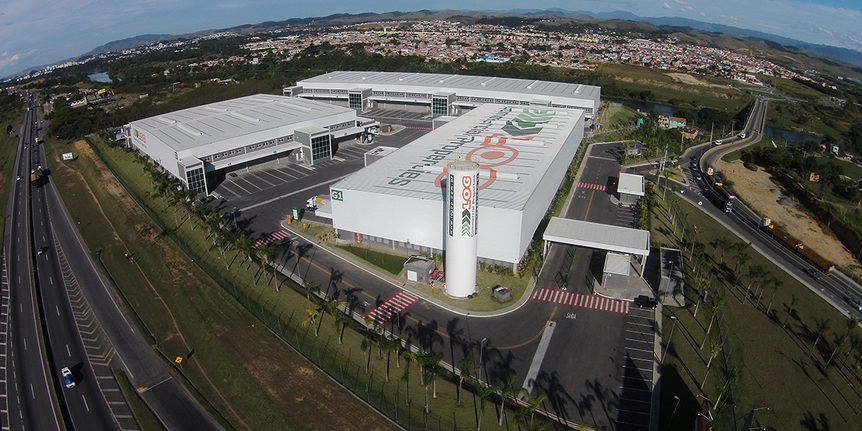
x=67, y=351
x=85, y=402
x=32, y=392
x=58, y=309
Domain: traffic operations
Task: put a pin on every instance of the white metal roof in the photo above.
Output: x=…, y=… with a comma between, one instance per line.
x=511, y=167
x=630, y=184
x=617, y=263
x=597, y=235
x=251, y=115
x=558, y=92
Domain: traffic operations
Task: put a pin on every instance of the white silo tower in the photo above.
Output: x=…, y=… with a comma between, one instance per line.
x=461, y=241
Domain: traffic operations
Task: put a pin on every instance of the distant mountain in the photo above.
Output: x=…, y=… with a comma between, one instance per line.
x=132, y=42
x=846, y=55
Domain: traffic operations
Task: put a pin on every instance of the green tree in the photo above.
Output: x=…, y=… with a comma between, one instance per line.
x=466, y=367
x=820, y=326
x=715, y=350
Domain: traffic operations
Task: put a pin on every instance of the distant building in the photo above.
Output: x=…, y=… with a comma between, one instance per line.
x=672, y=122
x=441, y=94
x=199, y=145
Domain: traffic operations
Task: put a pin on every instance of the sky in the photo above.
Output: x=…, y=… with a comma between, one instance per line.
x=41, y=32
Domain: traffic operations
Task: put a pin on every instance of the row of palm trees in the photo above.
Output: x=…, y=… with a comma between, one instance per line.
x=428, y=362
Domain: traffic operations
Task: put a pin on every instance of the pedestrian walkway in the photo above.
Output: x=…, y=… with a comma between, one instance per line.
x=391, y=307
x=593, y=302
x=271, y=238
x=592, y=186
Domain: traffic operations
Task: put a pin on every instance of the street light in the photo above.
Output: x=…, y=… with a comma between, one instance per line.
x=667, y=347
x=670, y=421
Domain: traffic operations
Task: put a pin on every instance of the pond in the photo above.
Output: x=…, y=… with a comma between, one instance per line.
x=790, y=136
x=99, y=77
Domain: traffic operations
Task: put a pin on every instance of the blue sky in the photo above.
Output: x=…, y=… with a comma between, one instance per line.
x=38, y=32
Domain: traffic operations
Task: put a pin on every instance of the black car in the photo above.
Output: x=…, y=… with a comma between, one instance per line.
x=646, y=301
x=815, y=274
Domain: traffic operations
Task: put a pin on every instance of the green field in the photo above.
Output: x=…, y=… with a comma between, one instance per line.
x=762, y=363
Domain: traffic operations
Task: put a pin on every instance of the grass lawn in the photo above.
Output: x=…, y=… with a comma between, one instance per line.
x=8, y=148
x=146, y=419
x=761, y=363
x=235, y=354
x=485, y=281
x=670, y=91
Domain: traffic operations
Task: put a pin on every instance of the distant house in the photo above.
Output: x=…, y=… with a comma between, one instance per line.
x=672, y=122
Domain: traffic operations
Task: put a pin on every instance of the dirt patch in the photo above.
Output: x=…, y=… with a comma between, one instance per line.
x=766, y=198
x=691, y=80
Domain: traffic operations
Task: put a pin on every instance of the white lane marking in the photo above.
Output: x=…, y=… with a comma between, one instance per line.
x=32, y=392
x=67, y=351
x=85, y=402
x=25, y=344
x=58, y=309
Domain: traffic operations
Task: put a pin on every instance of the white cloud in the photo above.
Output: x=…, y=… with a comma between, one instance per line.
x=666, y=5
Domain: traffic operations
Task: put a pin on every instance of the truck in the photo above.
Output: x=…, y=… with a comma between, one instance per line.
x=35, y=175
x=796, y=246
x=316, y=201
x=723, y=197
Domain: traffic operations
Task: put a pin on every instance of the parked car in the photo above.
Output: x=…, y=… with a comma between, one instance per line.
x=645, y=301
x=67, y=377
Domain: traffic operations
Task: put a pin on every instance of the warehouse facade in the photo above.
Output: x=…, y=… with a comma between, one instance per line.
x=523, y=155
x=199, y=145
x=441, y=94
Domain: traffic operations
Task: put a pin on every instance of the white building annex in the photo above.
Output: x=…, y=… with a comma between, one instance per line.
x=523, y=155
x=198, y=144
x=442, y=94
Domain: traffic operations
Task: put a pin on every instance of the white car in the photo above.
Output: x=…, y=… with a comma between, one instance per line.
x=742, y=135
x=67, y=377
x=718, y=142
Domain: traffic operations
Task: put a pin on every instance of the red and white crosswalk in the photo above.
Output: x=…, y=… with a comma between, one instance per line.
x=592, y=186
x=271, y=238
x=391, y=307
x=594, y=302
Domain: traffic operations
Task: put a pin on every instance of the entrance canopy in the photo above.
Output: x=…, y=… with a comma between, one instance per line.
x=598, y=236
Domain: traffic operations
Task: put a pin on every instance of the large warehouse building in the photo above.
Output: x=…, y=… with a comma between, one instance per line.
x=443, y=94
x=198, y=145
x=523, y=155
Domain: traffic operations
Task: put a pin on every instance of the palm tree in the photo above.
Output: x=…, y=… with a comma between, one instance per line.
x=850, y=323
x=855, y=344
x=243, y=244
x=742, y=257
x=793, y=302
x=334, y=308
x=366, y=347
x=721, y=244
x=484, y=391
x=533, y=404
x=310, y=287
x=507, y=391
x=719, y=302
x=755, y=273
x=821, y=325
x=310, y=317
x=466, y=367
x=776, y=284
x=715, y=350
x=405, y=377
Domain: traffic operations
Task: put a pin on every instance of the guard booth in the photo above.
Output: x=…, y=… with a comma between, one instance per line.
x=621, y=240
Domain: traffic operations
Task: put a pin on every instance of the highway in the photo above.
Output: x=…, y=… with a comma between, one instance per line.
x=834, y=287
x=55, y=292
x=31, y=380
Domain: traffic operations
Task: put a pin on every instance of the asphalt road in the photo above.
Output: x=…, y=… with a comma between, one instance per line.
x=30, y=382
